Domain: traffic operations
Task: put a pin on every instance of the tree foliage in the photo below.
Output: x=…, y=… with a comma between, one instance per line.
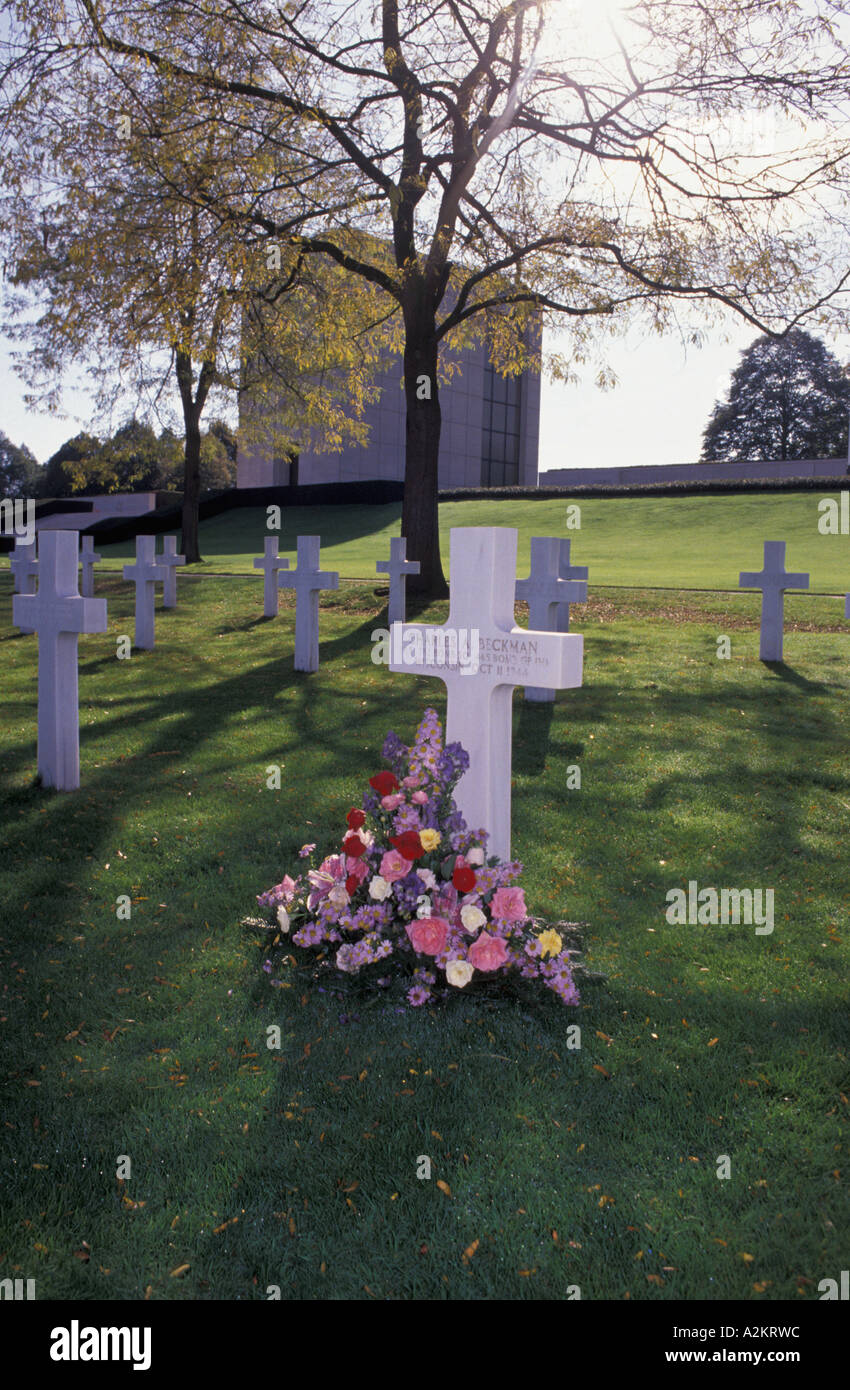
x=20, y=472
x=480, y=164
x=788, y=399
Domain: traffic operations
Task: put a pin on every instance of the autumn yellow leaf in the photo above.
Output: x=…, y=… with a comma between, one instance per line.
x=748, y=1259
x=712, y=1041
x=597, y=1067
x=655, y=1279
x=181, y=1269
x=444, y=1187
x=469, y=1252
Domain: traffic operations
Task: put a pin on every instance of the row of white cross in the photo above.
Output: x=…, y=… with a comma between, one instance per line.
x=543, y=658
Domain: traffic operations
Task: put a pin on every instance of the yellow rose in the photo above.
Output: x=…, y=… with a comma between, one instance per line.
x=459, y=973
x=430, y=839
x=550, y=941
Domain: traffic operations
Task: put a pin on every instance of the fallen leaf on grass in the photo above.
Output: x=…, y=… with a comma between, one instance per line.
x=655, y=1279
x=606, y=1074
x=444, y=1187
x=469, y=1252
x=181, y=1269
x=748, y=1259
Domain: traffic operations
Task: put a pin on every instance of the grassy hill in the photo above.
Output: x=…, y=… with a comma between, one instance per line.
x=665, y=542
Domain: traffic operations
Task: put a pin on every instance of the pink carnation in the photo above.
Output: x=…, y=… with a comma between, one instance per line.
x=508, y=905
x=419, y=797
x=487, y=952
x=390, y=803
x=428, y=935
x=394, y=866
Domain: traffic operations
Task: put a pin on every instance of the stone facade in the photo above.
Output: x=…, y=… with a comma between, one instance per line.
x=490, y=434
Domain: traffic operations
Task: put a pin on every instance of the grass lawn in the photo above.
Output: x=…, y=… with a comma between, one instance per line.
x=593, y=1167
x=683, y=542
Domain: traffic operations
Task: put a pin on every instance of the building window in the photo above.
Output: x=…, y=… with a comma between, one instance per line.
x=500, y=437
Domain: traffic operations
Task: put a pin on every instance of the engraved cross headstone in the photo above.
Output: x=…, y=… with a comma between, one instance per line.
x=481, y=602
x=773, y=580
x=58, y=613
x=552, y=585
x=307, y=580
x=398, y=567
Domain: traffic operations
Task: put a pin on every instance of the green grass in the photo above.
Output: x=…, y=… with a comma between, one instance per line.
x=683, y=542
x=297, y=1168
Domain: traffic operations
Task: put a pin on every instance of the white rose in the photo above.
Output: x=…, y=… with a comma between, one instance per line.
x=472, y=918
x=475, y=855
x=459, y=973
x=379, y=888
x=428, y=879
x=283, y=919
x=338, y=896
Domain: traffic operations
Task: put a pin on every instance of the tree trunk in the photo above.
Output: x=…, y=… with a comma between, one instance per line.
x=419, y=517
x=189, y=543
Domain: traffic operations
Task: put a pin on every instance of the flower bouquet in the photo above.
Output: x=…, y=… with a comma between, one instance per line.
x=411, y=893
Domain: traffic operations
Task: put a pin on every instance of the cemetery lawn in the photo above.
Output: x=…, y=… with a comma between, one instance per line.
x=551, y=1168
x=686, y=542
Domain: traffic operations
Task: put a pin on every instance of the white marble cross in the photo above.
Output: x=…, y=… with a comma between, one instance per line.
x=145, y=574
x=398, y=567
x=88, y=560
x=552, y=585
x=169, y=559
x=773, y=580
x=480, y=690
x=307, y=580
x=24, y=567
x=58, y=613
x=271, y=564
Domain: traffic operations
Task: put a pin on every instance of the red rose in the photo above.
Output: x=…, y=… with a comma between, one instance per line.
x=355, y=819
x=384, y=783
x=353, y=846
x=352, y=883
x=463, y=879
x=408, y=844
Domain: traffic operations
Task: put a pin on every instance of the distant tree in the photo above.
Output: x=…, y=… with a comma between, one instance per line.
x=20, y=472
x=61, y=472
x=788, y=399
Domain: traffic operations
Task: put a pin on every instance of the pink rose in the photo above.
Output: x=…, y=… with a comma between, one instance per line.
x=508, y=905
x=420, y=798
x=390, y=803
x=358, y=868
x=394, y=866
x=428, y=935
x=487, y=952
x=412, y=781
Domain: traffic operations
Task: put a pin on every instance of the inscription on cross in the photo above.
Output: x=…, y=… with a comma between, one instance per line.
x=58, y=613
x=482, y=590
x=552, y=585
x=773, y=580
